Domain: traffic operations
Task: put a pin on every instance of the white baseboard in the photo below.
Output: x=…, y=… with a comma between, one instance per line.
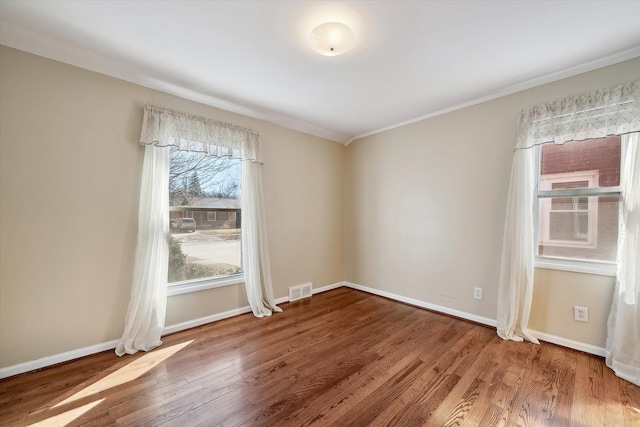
x=329, y=287
x=33, y=365
x=172, y=329
x=110, y=345
x=566, y=342
x=553, y=339
x=43, y=362
x=423, y=304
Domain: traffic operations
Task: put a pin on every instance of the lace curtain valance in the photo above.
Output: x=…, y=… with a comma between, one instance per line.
x=163, y=127
x=614, y=111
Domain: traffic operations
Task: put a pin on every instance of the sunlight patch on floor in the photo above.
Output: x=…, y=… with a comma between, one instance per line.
x=127, y=373
x=66, y=417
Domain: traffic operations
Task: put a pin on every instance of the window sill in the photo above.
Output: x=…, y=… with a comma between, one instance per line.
x=576, y=266
x=186, y=287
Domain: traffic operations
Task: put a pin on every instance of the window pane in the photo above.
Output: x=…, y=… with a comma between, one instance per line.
x=590, y=235
x=571, y=226
x=204, y=195
x=602, y=155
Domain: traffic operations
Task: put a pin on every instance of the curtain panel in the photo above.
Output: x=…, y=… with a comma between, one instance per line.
x=162, y=128
x=614, y=111
x=255, y=253
x=622, y=349
x=515, y=288
x=148, y=302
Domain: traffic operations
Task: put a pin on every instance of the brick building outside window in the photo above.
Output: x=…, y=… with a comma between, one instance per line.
x=578, y=199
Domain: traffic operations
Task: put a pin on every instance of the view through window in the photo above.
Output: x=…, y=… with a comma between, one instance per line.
x=204, y=216
x=579, y=199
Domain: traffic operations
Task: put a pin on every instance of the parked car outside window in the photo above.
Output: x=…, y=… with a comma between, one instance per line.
x=188, y=224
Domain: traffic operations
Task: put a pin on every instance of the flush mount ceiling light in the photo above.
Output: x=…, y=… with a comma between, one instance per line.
x=331, y=39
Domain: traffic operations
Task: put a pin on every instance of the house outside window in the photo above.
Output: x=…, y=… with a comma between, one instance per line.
x=578, y=201
x=204, y=217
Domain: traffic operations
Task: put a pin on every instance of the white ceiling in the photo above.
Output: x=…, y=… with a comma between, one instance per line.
x=411, y=59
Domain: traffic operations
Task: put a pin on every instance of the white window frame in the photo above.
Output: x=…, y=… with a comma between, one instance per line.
x=603, y=268
x=188, y=286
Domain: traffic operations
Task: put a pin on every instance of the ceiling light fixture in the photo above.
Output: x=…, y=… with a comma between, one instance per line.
x=331, y=39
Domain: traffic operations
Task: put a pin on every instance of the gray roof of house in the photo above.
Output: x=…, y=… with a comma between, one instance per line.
x=212, y=202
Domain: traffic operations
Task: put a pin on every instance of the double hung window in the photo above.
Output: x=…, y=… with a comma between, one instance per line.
x=578, y=195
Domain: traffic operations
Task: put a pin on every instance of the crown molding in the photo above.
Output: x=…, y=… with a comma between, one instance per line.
x=529, y=84
x=37, y=44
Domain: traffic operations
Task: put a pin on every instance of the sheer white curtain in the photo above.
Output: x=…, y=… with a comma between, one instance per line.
x=255, y=261
x=614, y=111
x=161, y=128
x=145, y=315
x=515, y=290
x=623, y=332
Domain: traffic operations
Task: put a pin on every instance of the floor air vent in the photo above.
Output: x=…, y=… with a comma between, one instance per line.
x=300, y=291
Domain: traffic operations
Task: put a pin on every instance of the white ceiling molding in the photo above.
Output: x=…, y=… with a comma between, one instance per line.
x=37, y=44
x=539, y=81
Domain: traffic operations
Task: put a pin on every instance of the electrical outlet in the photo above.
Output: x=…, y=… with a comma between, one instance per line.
x=580, y=314
x=477, y=293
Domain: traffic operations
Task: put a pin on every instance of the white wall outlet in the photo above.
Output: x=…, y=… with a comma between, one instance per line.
x=580, y=314
x=477, y=293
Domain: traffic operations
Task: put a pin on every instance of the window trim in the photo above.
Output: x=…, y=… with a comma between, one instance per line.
x=602, y=268
x=196, y=285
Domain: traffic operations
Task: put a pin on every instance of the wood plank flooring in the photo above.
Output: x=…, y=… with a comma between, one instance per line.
x=340, y=358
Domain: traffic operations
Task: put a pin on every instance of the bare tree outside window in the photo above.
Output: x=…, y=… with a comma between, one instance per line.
x=194, y=175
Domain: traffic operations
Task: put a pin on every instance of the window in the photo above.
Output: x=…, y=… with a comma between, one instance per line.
x=204, y=212
x=578, y=202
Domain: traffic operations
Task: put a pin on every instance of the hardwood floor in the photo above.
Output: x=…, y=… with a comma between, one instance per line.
x=340, y=358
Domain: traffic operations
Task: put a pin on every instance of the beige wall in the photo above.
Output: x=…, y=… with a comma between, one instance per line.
x=422, y=205
x=69, y=180
x=425, y=210
x=554, y=295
